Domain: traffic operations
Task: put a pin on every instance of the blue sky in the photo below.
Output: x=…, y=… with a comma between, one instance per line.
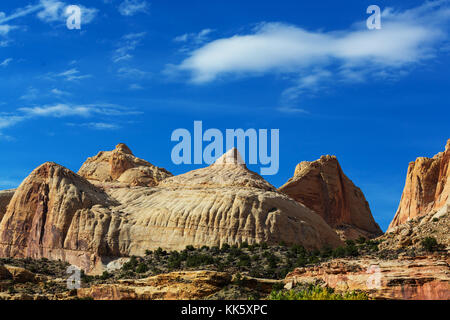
x=137, y=70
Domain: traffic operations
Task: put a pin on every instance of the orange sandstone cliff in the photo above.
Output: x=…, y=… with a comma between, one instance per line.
x=427, y=187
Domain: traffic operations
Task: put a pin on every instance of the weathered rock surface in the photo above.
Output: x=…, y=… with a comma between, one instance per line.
x=323, y=187
x=182, y=285
x=427, y=187
x=120, y=165
x=420, y=278
x=57, y=214
x=411, y=233
x=5, y=198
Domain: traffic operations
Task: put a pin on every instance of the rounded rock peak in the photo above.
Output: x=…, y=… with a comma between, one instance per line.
x=123, y=148
x=232, y=156
x=447, y=147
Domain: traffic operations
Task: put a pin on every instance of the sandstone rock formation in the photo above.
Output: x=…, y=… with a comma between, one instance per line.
x=182, y=285
x=427, y=187
x=120, y=165
x=5, y=198
x=420, y=278
x=411, y=233
x=58, y=214
x=323, y=187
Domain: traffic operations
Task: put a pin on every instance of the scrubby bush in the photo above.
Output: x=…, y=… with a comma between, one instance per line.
x=316, y=293
x=430, y=244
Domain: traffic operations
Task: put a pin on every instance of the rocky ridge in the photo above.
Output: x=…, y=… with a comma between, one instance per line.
x=323, y=187
x=427, y=187
x=82, y=219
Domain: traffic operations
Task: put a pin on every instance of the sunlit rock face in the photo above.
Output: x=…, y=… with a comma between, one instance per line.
x=91, y=218
x=323, y=187
x=427, y=187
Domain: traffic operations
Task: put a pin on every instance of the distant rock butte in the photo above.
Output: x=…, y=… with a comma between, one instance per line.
x=58, y=214
x=427, y=188
x=323, y=187
x=120, y=165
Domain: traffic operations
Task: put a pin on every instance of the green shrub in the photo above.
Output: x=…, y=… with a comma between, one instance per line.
x=190, y=248
x=316, y=293
x=244, y=244
x=430, y=244
x=142, y=268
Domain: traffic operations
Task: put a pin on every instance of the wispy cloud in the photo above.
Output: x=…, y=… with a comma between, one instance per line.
x=96, y=125
x=127, y=45
x=132, y=7
x=312, y=59
x=55, y=11
x=196, y=38
x=132, y=73
x=68, y=75
x=61, y=110
x=48, y=11
x=6, y=62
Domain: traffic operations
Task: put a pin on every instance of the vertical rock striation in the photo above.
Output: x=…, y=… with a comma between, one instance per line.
x=427, y=187
x=323, y=187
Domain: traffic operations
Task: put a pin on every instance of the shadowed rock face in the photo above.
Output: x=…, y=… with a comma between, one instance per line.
x=58, y=214
x=5, y=198
x=323, y=187
x=427, y=187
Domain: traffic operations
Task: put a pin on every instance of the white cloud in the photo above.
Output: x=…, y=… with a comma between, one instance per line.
x=58, y=92
x=61, y=110
x=132, y=73
x=312, y=58
x=132, y=7
x=31, y=94
x=96, y=125
x=67, y=75
x=127, y=44
x=197, y=38
x=6, y=62
x=135, y=86
x=64, y=110
x=55, y=11
x=47, y=11
x=9, y=120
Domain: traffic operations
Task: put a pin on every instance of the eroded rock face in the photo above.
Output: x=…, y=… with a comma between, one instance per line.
x=57, y=214
x=323, y=187
x=420, y=278
x=120, y=165
x=182, y=285
x=5, y=198
x=427, y=187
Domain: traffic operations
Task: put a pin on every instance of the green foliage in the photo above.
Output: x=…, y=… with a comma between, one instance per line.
x=105, y=275
x=148, y=252
x=430, y=244
x=142, y=268
x=316, y=293
x=196, y=260
x=225, y=247
x=244, y=245
x=131, y=264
